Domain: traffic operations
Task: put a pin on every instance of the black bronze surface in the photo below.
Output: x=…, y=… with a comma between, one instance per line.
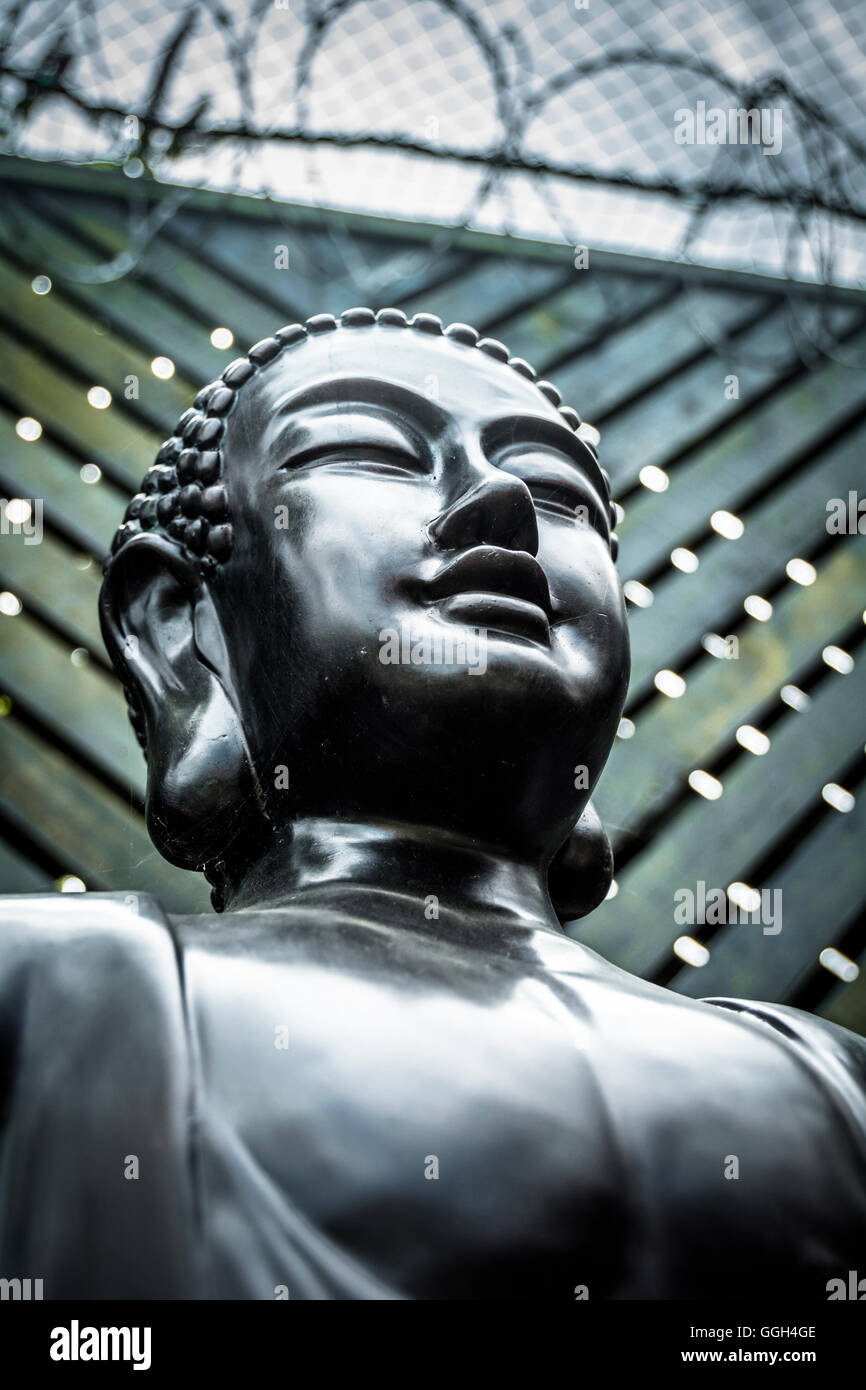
x=366, y=615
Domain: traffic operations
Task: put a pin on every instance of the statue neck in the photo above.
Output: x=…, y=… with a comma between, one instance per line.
x=414, y=862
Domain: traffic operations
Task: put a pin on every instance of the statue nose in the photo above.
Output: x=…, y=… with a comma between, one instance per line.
x=497, y=511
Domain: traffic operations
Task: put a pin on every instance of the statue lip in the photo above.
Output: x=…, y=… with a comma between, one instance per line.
x=494, y=570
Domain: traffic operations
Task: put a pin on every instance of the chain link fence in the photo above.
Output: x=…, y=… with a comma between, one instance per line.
x=727, y=134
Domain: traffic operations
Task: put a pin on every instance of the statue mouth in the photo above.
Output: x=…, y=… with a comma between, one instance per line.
x=493, y=570
x=501, y=589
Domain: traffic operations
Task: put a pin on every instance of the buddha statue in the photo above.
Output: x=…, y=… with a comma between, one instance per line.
x=366, y=614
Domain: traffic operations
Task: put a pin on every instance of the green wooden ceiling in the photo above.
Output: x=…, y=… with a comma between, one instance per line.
x=643, y=352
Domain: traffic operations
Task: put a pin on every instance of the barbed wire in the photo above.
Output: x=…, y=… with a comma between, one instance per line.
x=67, y=68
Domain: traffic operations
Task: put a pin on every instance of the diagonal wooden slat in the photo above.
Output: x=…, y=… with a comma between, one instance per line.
x=672, y=737
x=87, y=513
x=793, y=424
x=71, y=816
x=820, y=889
x=784, y=526
x=845, y=1004
x=668, y=339
x=56, y=326
x=663, y=424
x=715, y=840
x=18, y=874
x=327, y=270
x=54, y=579
x=81, y=705
x=129, y=304
x=560, y=327
x=122, y=447
x=182, y=276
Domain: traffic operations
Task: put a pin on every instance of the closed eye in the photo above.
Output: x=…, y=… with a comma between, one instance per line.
x=558, y=489
x=369, y=458
x=557, y=496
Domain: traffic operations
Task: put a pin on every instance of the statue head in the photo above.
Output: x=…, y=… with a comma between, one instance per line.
x=371, y=577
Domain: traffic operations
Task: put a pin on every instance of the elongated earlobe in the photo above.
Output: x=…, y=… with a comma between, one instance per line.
x=582, y=869
x=165, y=640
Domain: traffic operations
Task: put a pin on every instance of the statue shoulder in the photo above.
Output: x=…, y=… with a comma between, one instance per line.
x=33, y=923
x=835, y=1053
x=69, y=950
x=95, y=1074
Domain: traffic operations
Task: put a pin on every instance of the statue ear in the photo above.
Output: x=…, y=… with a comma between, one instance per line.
x=582, y=869
x=166, y=642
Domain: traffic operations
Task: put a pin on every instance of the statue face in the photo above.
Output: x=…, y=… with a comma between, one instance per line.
x=420, y=604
